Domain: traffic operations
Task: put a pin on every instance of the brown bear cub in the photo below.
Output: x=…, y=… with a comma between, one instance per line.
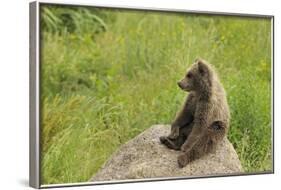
x=204, y=118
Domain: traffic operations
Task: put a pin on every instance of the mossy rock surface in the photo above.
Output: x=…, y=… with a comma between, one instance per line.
x=145, y=157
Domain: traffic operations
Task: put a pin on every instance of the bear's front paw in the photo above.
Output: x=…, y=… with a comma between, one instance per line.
x=182, y=160
x=175, y=132
x=163, y=139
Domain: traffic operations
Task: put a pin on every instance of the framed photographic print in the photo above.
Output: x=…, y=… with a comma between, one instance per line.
x=131, y=94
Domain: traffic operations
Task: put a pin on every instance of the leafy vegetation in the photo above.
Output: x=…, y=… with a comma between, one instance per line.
x=107, y=75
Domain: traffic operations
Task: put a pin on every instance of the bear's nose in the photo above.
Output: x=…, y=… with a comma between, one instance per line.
x=179, y=84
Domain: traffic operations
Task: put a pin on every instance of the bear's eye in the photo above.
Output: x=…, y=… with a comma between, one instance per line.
x=189, y=75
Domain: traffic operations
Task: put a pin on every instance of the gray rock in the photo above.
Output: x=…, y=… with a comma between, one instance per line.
x=145, y=157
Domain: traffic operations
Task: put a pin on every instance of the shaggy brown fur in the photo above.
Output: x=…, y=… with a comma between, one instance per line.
x=204, y=118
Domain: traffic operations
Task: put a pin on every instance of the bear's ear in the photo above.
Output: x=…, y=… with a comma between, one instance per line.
x=202, y=67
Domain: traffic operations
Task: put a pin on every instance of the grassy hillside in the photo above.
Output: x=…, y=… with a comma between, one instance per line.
x=107, y=75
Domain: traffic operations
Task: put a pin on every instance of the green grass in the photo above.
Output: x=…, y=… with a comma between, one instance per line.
x=108, y=75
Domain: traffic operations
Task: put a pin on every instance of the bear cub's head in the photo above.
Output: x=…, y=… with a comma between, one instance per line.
x=197, y=75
